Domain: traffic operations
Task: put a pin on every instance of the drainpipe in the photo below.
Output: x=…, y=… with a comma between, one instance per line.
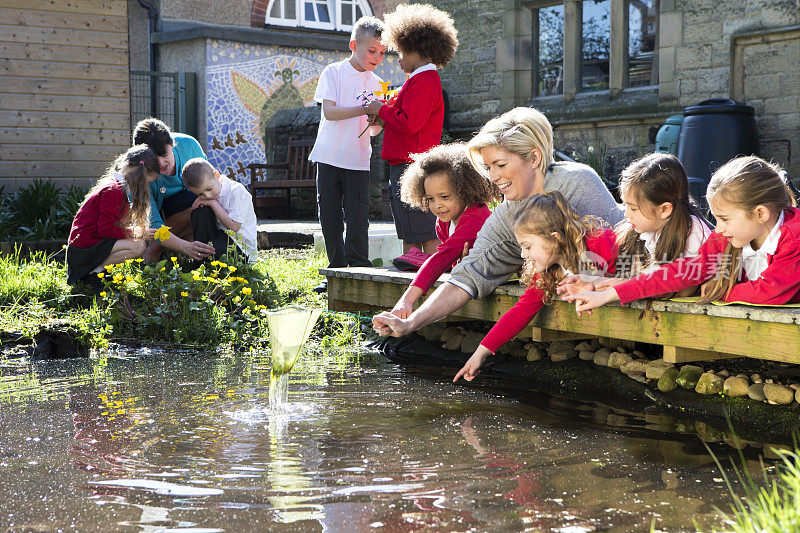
x=153, y=26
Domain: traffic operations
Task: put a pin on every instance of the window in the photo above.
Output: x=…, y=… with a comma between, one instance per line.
x=585, y=46
x=323, y=14
x=595, y=32
x=551, y=51
x=642, y=30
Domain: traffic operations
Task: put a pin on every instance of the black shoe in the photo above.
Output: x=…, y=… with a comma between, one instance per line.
x=321, y=288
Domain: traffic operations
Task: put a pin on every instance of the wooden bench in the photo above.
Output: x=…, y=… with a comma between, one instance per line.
x=687, y=332
x=298, y=171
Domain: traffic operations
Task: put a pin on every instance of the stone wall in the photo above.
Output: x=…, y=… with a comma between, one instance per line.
x=230, y=12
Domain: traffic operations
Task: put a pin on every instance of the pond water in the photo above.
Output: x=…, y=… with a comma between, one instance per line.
x=149, y=441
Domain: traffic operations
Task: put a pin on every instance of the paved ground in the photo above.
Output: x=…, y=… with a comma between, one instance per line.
x=296, y=233
x=308, y=227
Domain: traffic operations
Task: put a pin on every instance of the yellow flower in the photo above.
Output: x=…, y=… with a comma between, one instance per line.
x=246, y=291
x=223, y=265
x=162, y=233
x=109, y=267
x=139, y=260
x=232, y=268
x=102, y=294
x=236, y=299
x=163, y=269
x=128, y=278
x=128, y=261
x=173, y=259
x=101, y=275
x=214, y=263
x=184, y=294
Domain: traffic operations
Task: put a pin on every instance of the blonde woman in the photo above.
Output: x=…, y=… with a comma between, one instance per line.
x=515, y=152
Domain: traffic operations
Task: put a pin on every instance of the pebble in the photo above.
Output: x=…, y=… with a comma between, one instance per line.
x=621, y=349
x=797, y=395
x=724, y=373
x=656, y=368
x=688, y=376
x=756, y=392
x=778, y=393
x=584, y=347
x=471, y=341
x=534, y=353
x=559, y=346
x=637, y=366
x=586, y=355
x=794, y=386
x=743, y=376
x=736, y=386
x=601, y=357
x=563, y=356
x=618, y=359
x=453, y=342
x=638, y=354
x=769, y=381
x=667, y=382
x=756, y=378
x=709, y=383
x=638, y=377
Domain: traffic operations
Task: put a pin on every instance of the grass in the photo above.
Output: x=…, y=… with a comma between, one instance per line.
x=771, y=506
x=34, y=292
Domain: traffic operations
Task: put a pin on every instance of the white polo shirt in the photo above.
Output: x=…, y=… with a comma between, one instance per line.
x=236, y=200
x=338, y=143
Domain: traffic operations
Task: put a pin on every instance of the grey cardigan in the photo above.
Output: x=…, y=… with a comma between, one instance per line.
x=495, y=256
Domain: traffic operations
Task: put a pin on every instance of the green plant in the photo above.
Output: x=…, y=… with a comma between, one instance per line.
x=38, y=211
x=771, y=506
x=206, y=306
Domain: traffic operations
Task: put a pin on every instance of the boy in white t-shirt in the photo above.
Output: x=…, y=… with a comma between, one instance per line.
x=342, y=156
x=221, y=204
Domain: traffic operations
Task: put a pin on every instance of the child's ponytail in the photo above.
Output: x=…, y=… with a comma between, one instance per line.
x=746, y=183
x=549, y=213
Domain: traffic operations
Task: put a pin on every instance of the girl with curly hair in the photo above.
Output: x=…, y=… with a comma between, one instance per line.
x=444, y=182
x=555, y=243
x=425, y=39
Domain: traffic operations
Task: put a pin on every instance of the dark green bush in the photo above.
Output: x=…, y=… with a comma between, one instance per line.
x=38, y=211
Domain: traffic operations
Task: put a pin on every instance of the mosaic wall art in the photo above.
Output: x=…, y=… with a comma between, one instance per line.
x=248, y=83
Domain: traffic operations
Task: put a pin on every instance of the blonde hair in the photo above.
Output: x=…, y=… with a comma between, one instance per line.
x=745, y=183
x=548, y=213
x=135, y=164
x=518, y=131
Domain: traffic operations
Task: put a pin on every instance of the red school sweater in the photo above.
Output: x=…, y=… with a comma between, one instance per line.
x=778, y=284
x=602, y=242
x=97, y=218
x=414, y=123
x=449, y=251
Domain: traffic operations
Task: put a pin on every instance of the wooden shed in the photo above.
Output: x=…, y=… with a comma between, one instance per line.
x=64, y=89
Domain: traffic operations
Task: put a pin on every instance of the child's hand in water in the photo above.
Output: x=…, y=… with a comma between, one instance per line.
x=472, y=368
x=586, y=301
x=573, y=284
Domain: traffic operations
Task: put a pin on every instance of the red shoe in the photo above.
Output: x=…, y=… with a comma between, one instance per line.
x=411, y=261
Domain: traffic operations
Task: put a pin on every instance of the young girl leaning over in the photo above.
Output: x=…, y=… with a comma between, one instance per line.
x=661, y=224
x=752, y=256
x=555, y=243
x=114, y=218
x=444, y=181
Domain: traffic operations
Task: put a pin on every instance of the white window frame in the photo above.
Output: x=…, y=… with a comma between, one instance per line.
x=335, y=9
x=282, y=20
x=301, y=10
x=366, y=11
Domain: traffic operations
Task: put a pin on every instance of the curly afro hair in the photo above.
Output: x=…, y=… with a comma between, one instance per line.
x=467, y=184
x=423, y=29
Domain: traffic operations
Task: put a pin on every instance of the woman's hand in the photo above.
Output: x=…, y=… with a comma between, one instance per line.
x=149, y=234
x=586, y=301
x=472, y=367
x=389, y=324
x=573, y=284
x=197, y=250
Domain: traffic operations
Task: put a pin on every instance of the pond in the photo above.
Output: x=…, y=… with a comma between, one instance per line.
x=155, y=441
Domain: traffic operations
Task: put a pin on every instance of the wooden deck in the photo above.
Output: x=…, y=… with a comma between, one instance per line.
x=688, y=332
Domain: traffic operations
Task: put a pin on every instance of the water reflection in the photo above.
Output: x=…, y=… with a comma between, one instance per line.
x=163, y=440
